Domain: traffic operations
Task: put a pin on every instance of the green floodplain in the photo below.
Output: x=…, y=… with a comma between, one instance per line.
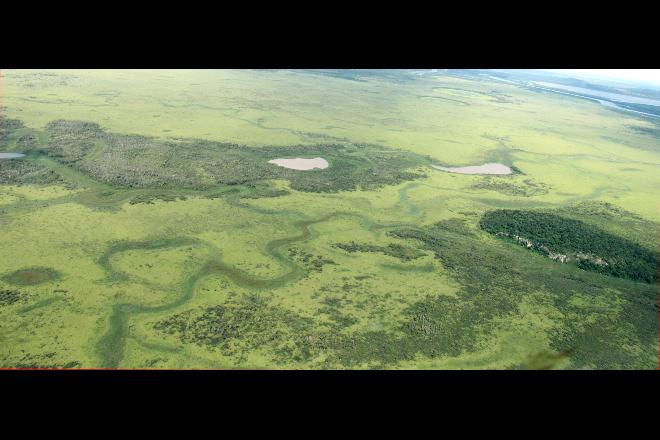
x=144, y=227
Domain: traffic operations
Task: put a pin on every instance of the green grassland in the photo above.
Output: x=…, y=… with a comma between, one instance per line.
x=145, y=228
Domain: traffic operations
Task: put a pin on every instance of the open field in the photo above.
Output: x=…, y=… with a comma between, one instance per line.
x=145, y=228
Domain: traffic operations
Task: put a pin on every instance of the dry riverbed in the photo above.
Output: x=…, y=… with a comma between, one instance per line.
x=11, y=155
x=487, y=168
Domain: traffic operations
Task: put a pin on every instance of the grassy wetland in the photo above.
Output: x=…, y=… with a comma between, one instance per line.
x=142, y=225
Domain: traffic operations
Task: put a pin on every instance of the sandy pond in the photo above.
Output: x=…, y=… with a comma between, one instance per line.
x=11, y=155
x=301, y=164
x=487, y=168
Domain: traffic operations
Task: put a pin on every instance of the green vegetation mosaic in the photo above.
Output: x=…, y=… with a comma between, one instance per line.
x=143, y=225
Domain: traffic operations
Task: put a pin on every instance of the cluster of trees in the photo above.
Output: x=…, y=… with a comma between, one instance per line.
x=308, y=260
x=363, y=166
x=151, y=198
x=70, y=141
x=6, y=126
x=44, y=360
x=141, y=162
x=18, y=171
x=132, y=161
x=528, y=188
x=238, y=327
x=395, y=250
x=8, y=297
x=562, y=235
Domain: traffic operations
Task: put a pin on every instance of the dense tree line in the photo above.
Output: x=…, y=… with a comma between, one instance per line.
x=543, y=231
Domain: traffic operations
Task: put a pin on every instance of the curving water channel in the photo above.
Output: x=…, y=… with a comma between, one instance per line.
x=110, y=347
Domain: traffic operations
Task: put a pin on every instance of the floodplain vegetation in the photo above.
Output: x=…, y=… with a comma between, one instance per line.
x=145, y=228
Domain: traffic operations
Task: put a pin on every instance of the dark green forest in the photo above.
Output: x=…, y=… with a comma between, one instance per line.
x=592, y=248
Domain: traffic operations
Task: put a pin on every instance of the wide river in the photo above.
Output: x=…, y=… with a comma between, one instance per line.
x=600, y=94
x=592, y=95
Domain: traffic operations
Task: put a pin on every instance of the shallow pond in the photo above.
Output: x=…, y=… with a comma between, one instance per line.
x=487, y=168
x=31, y=276
x=301, y=164
x=11, y=155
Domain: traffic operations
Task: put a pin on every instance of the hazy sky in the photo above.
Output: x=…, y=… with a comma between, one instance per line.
x=645, y=75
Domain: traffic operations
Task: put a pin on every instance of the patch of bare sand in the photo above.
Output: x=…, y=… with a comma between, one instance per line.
x=301, y=164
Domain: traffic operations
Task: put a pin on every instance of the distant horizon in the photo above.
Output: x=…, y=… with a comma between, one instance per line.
x=645, y=76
